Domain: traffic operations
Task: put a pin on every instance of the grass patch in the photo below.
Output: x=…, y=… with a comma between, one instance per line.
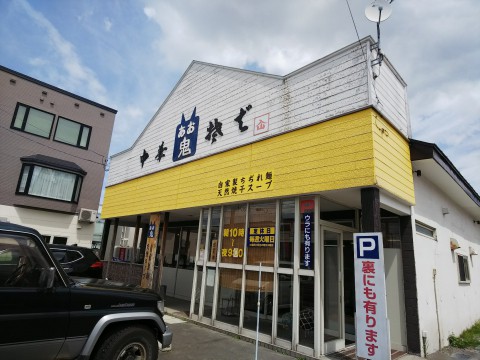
x=470, y=338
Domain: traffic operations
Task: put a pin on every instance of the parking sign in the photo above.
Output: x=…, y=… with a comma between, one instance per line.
x=372, y=332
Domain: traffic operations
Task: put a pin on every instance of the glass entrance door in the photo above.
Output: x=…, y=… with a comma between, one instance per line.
x=179, y=262
x=334, y=329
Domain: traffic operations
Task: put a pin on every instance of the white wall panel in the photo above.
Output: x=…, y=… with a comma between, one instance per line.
x=333, y=86
x=456, y=307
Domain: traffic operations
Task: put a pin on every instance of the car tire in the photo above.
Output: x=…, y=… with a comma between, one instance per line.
x=138, y=341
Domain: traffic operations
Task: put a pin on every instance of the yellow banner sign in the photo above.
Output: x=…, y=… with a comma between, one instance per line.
x=261, y=237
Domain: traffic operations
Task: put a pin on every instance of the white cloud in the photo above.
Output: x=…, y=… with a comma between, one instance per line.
x=434, y=45
x=427, y=41
x=107, y=23
x=76, y=76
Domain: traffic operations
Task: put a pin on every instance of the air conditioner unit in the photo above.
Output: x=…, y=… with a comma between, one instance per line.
x=87, y=215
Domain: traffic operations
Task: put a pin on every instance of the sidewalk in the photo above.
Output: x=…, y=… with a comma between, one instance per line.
x=181, y=308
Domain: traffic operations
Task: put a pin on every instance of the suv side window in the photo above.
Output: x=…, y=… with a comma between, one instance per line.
x=21, y=262
x=74, y=255
x=60, y=255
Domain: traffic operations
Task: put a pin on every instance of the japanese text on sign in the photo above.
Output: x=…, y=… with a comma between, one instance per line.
x=307, y=239
x=373, y=341
x=256, y=182
x=230, y=243
x=261, y=237
x=186, y=137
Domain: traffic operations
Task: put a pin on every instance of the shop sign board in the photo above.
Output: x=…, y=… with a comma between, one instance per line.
x=186, y=134
x=261, y=124
x=372, y=332
x=307, y=239
x=150, y=251
x=261, y=237
x=232, y=243
x=245, y=184
x=307, y=210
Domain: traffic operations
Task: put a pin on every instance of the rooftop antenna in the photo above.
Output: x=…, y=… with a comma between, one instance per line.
x=378, y=11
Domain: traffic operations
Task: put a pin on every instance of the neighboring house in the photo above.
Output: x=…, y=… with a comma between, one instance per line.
x=53, y=151
x=446, y=217
x=254, y=172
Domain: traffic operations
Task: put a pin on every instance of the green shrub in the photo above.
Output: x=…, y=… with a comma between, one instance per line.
x=468, y=339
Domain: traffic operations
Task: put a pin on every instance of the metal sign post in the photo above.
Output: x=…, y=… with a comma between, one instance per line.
x=258, y=310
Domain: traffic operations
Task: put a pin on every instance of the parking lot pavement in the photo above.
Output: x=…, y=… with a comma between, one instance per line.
x=191, y=341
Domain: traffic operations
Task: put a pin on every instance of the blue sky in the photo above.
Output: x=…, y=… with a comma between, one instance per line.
x=129, y=54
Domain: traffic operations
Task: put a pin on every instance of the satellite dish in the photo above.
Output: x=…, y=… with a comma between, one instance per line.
x=378, y=11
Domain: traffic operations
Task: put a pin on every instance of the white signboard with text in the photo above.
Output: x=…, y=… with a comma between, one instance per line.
x=372, y=329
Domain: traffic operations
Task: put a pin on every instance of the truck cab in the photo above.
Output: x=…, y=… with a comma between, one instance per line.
x=45, y=314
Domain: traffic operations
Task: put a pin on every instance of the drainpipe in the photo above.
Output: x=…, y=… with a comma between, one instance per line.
x=436, y=308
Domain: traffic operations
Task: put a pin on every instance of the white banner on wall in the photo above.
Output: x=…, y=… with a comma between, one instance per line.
x=372, y=329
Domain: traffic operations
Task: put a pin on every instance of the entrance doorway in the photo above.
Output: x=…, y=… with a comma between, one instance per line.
x=334, y=333
x=338, y=288
x=179, y=261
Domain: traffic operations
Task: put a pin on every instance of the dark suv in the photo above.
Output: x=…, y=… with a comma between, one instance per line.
x=45, y=314
x=77, y=260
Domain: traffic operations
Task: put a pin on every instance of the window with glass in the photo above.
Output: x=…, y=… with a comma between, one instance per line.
x=287, y=233
x=203, y=237
x=306, y=320
x=61, y=240
x=391, y=233
x=463, y=269
x=209, y=292
x=49, y=183
x=72, y=133
x=33, y=121
x=285, y=306
x=261, y=234
x=425, y=230
x=21, y=262
x=188, y=247
x=201, y=258
x=171, y=247
x=180, y=247
x=214, y=234
x=229, y=296
x=233, y=239
x=252, y=284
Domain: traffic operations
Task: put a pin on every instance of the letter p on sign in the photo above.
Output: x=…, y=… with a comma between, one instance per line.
x=367, y=247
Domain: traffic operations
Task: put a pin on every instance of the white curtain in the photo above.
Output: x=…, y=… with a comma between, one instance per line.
x=52, y=184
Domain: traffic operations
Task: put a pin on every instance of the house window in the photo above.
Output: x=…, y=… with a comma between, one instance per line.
x=391, y=233
x=425, y=230
x=49, y=183
x=463, y=271
x=33, y=121
x=60, y=240
x=72, y=133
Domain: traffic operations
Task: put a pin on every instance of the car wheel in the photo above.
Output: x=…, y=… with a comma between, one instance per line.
x=130, y=343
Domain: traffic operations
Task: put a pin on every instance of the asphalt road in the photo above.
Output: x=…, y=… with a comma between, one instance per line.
x=192, y=341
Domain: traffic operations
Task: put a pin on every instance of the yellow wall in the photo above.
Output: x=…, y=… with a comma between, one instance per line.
x=393, y=167
x=350, y=151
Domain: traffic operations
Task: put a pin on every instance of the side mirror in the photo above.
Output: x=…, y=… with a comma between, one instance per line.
x=47, y=278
